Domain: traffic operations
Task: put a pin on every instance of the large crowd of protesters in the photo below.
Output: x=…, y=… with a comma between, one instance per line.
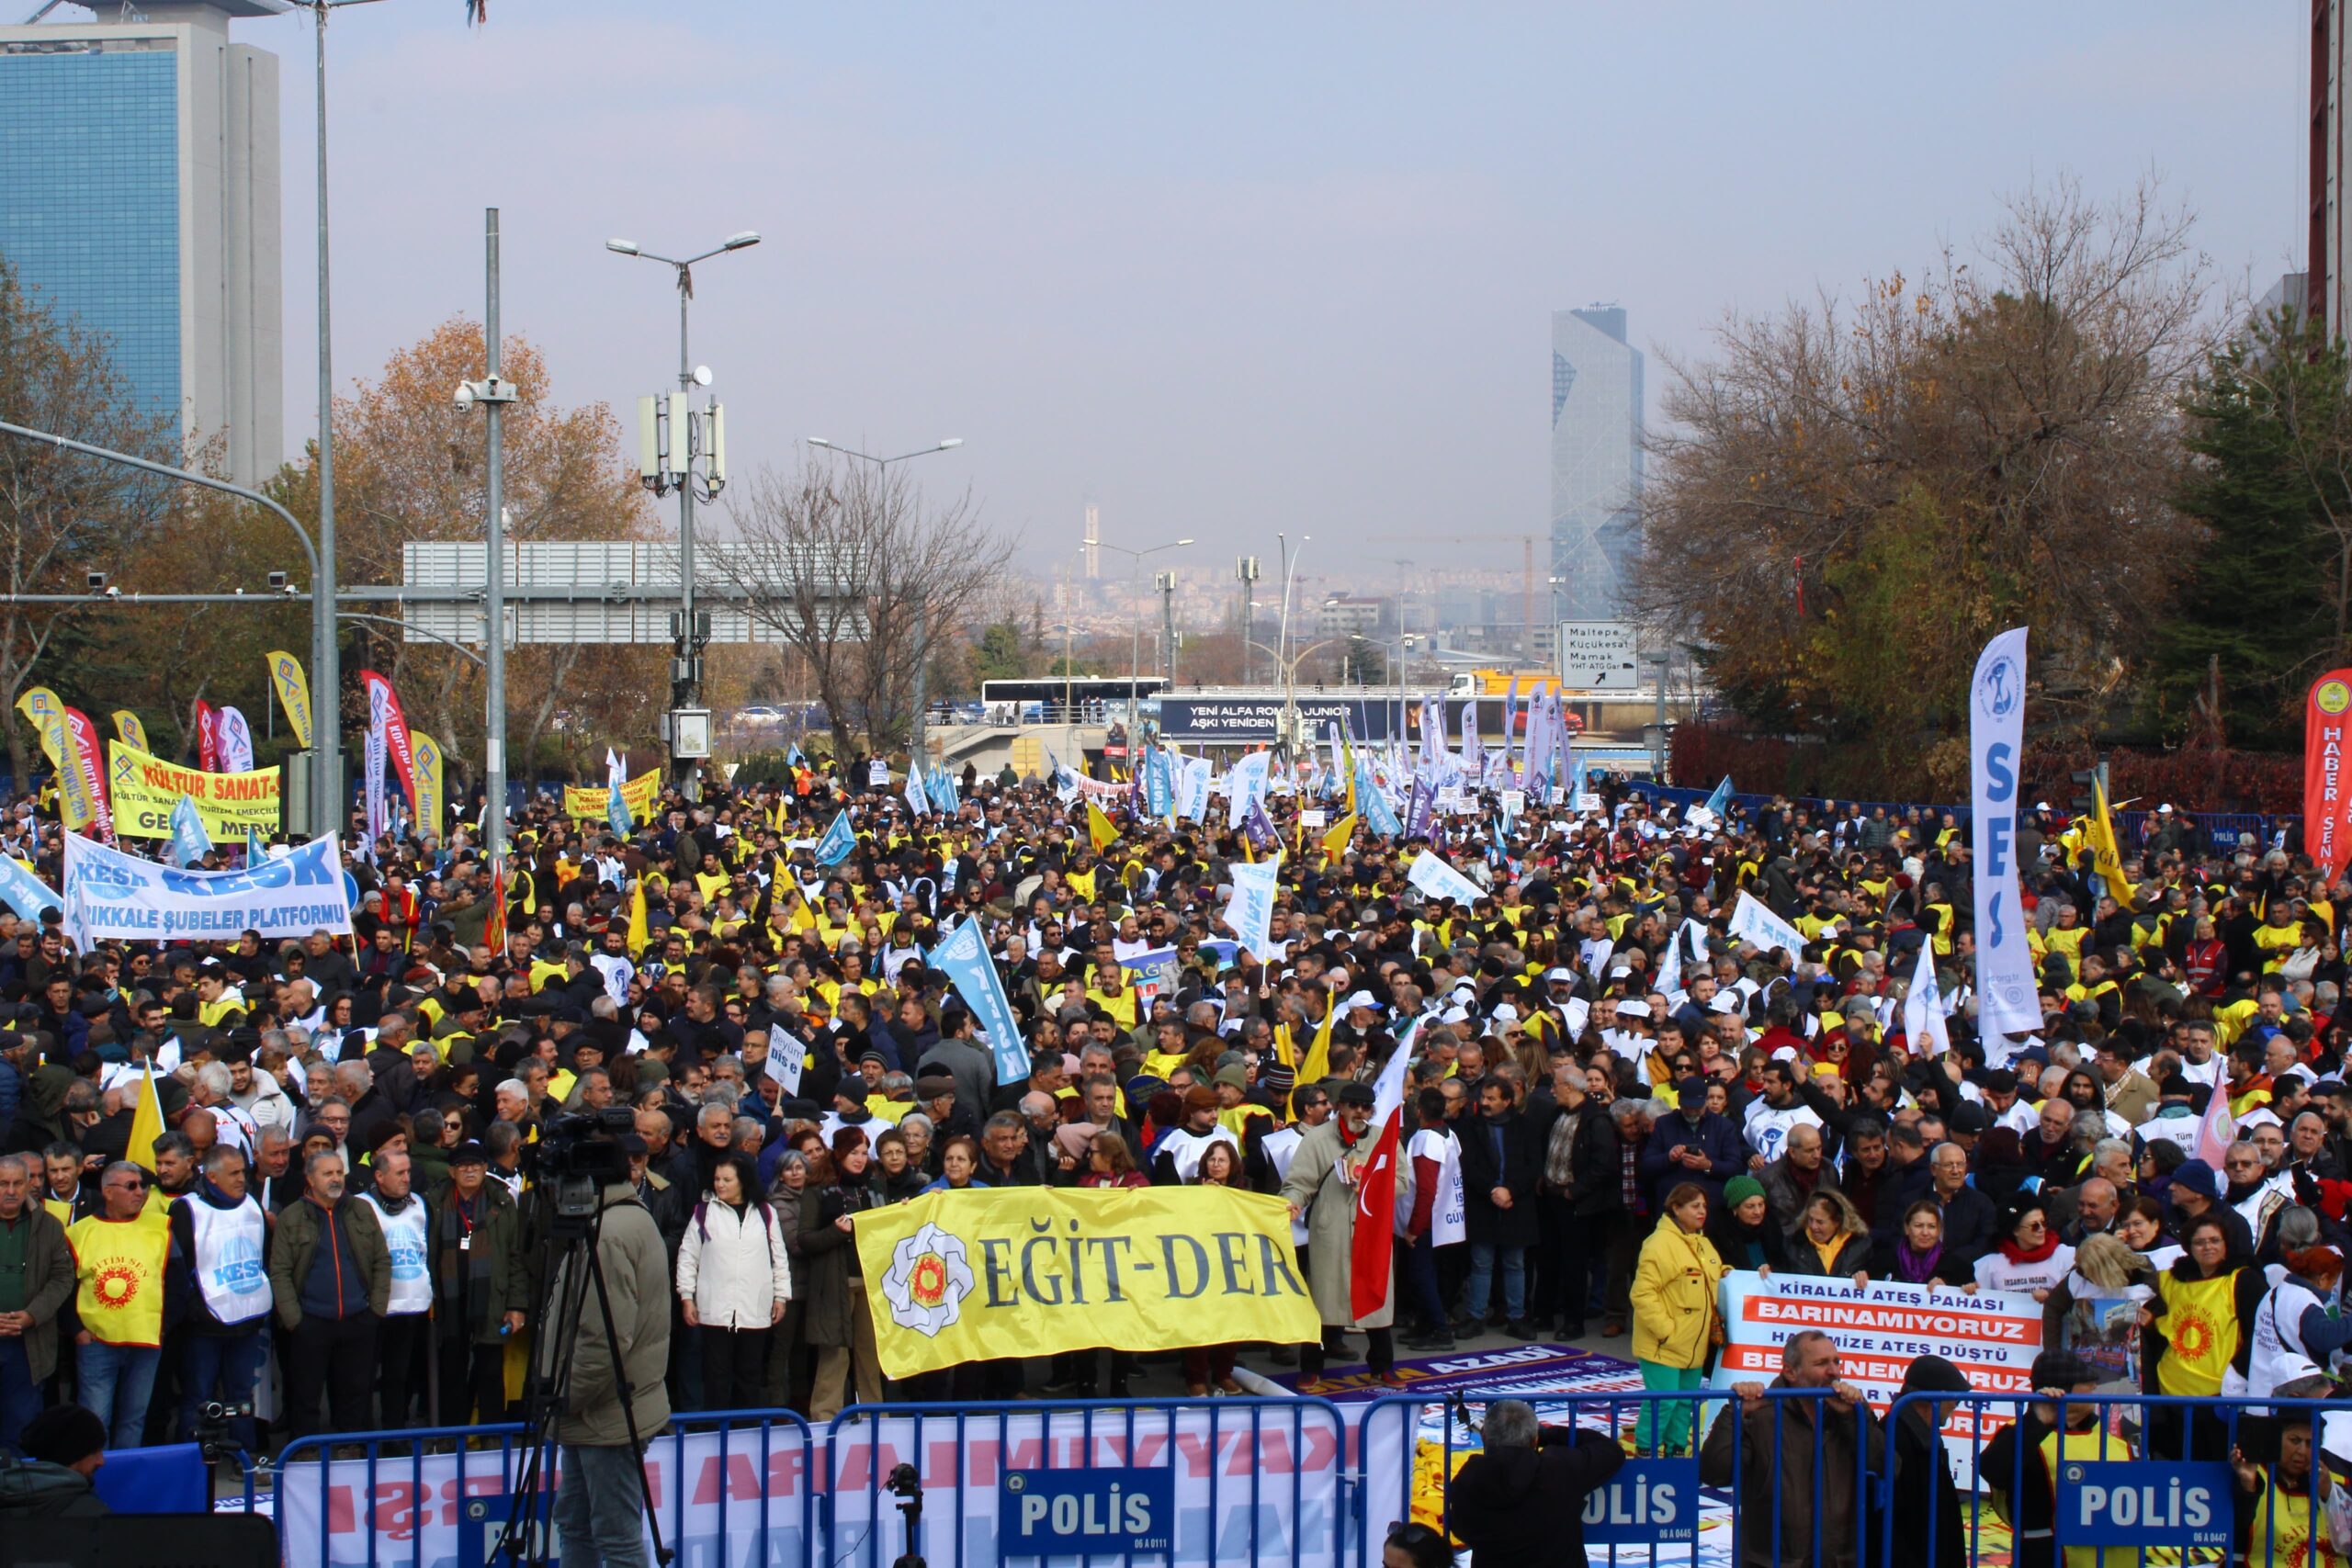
x=338, y=1228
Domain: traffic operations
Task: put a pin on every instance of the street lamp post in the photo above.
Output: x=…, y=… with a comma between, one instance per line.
x=1290, y=687
x=686, y=644
x=923, y=632
x=1134, y=631
x=326, y=718
x=493, y=392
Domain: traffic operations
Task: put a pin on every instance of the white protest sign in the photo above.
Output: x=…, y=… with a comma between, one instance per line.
x=1439, y=880
x=1314, y=818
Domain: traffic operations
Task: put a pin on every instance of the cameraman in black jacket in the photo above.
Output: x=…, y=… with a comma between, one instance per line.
x=1522, y=1499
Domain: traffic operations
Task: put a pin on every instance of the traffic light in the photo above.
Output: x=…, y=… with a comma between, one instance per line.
x=2083, y=803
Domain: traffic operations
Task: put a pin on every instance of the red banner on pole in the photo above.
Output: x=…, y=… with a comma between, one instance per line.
x=2327, y=794
x=208, y=738
x=384, y=704
x=90, y=760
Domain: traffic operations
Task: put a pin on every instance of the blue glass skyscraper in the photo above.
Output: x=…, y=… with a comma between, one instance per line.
x=1596, y=459
x=139, y=194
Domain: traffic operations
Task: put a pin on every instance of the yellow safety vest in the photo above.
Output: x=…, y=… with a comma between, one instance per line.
x=2200, y=1334
x=120, y=1266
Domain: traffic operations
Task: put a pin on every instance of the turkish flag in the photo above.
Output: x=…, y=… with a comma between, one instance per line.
x=1372, y=1250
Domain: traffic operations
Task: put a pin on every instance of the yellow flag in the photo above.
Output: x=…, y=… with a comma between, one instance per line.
x=293, y=689
x=1348, y=762
x=428, y=754
x=1317, y=1065
x=640, y=927
x=146, y=1122
x=2105, y=858
x=1336, y=840
x=46, y=709
x=127, y=724
x=1285, y=1051
x=1099, y=829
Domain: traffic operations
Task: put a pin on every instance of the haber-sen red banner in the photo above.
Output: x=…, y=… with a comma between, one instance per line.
x=2327, y=727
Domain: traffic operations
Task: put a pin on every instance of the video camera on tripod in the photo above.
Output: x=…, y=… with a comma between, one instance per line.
x=579, y=1154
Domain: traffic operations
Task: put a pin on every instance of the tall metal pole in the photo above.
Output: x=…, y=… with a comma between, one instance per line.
x=923, y=639
x=1168, y=622
x=493, y=821
x=688, y=690
x=326, y=691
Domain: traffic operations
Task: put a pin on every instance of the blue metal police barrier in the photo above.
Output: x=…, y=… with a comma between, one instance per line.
x=2124, y=1481
x=1656, y=1510
x=733, y=1488
x=1184, y=1482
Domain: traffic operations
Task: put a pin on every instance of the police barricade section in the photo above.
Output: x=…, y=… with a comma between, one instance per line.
x=2114, y=1479
x=1653, y=1509
x=1186, y=1484
x=738, y=1488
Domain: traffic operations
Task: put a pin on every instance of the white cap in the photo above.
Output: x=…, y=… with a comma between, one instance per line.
x=1360, y=999
x=1505, y=1013
x=2042, y=806
x=2165, y=809
x=1632, y=1010
x=1725, y=1001
x=1558, y=973
x=1455, y=1015
x=1621, y=971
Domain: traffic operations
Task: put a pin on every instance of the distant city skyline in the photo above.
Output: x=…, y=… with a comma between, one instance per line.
x=1223, y=272
x=1598, y=412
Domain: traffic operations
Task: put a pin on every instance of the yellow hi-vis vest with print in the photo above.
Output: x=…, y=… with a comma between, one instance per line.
x=119, y=1265
x=2201, y=1327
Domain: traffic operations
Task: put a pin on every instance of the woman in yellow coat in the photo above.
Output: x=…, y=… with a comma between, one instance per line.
x=1676, y=1322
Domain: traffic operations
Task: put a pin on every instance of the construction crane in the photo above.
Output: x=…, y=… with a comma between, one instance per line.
x=1527, y=544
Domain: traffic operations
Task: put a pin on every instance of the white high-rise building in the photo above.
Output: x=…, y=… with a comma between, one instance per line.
x=1596, y=459
x=1093, y=542
x=139, y=194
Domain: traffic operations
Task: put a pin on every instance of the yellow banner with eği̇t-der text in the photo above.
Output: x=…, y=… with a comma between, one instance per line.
x=990, y=1275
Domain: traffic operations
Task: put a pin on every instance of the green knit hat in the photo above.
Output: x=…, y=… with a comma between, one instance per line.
x=1741, y=1188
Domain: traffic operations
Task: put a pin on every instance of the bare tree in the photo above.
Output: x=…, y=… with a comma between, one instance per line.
x=1851, y=495
x=862, y=578
x=63, y=514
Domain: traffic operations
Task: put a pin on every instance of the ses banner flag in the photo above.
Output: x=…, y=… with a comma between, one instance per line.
x=430, y=800
x=293, y=689
x=2006, y=1002
x=109, y=895
x=593, y=804
x=127, y=726
x=964, y=958
x=2328, y=805
x=147, y=788
x=983, y=1276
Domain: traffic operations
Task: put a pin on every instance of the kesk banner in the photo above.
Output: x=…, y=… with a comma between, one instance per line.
x=293, y=689
x=112, y=895
x=1992, y=1336
x=146, y=788
x=986, y=1276
x=428, y=783
x=2327, y=728
x=590, y=804
x=24, y=892
x=2005, y=987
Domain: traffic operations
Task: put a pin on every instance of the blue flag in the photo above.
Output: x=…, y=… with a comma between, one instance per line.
x=1379, y=817
x=1259, y=827
x=616, y=805
x=1159, y=783
x=1720, y=802
x=792, y=755
x=24, y=893
x=964, y=959
x=255, y=850
x=834, y=845
x=190, y=843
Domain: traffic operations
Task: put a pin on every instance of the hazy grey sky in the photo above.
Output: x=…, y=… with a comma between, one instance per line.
x=1225, y=269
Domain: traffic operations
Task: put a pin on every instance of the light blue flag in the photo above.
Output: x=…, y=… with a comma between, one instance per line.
x=24, y=893
x=964, y=959
x=190, y=843
x=1250, y=913
x=616, y=804
x=918, y=802
x=792, y=755
x=1371, y=804
x=1159, y=783
x=255, y=850
x=838, y=839
x=1720, y=802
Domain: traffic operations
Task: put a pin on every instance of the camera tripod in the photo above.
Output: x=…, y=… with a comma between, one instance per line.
x=571, y=1268
x=908, y=1485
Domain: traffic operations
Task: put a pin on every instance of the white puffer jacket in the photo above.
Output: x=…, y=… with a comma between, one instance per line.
x=732, y=1265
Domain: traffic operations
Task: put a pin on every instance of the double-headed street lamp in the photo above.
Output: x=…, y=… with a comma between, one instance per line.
x=1134, y=638
x=689, y=723
x=882, y=474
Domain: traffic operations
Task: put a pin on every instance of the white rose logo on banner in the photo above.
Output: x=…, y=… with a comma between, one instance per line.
x=927, y=1282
